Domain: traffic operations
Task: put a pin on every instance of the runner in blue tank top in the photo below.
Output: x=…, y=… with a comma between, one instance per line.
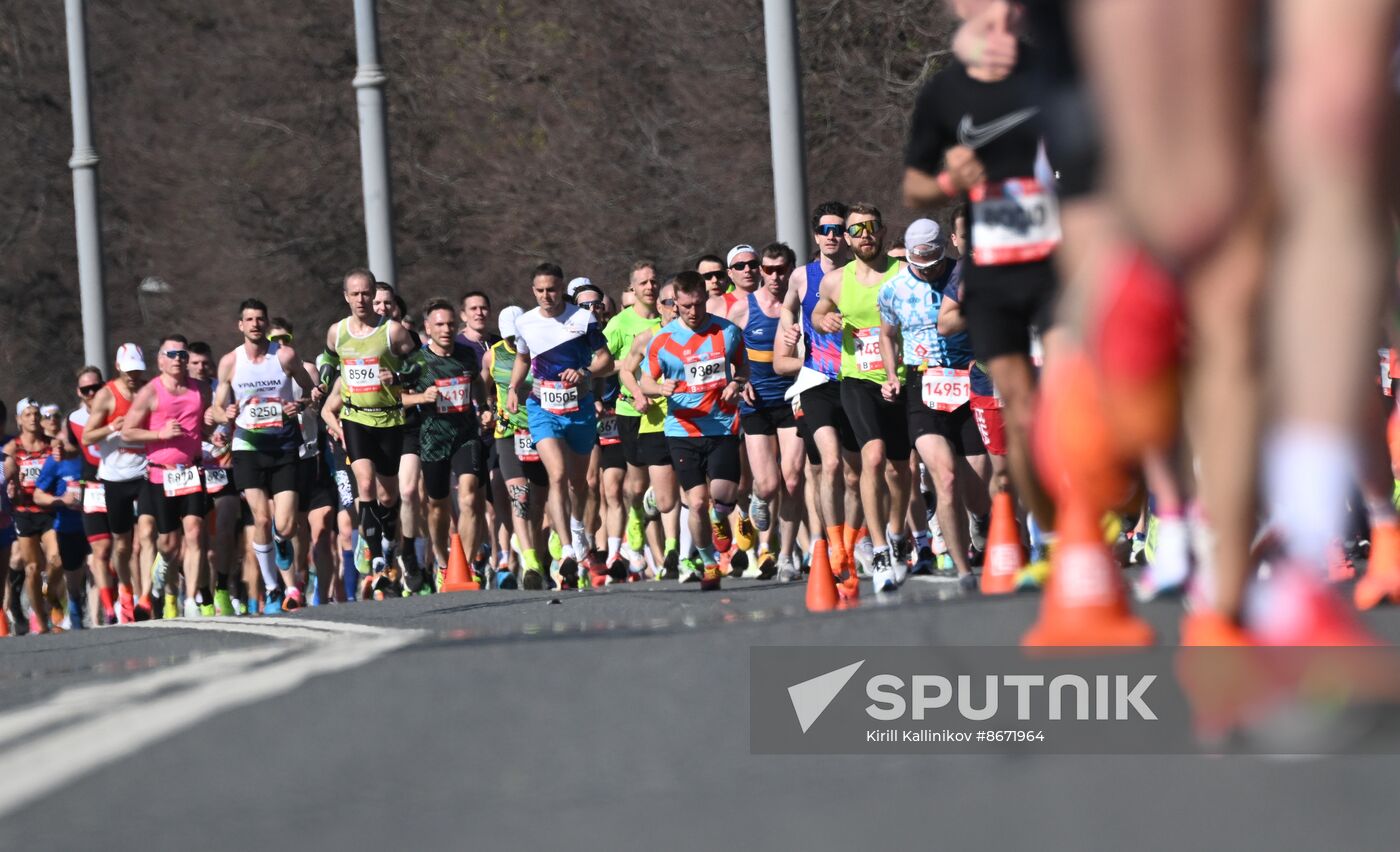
x=822, y=423
x=770, y=430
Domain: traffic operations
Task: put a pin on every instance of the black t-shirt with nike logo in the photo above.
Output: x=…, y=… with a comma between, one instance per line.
x=1000, y=121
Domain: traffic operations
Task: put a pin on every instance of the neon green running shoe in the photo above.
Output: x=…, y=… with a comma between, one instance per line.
x=223, y=603
x=206, y=610
x=556, y=547
x=172, y=607
x=362, y=564
x=635, y=537
x=1149, y=548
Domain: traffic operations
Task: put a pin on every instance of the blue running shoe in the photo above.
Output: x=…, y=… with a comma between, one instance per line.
x=273, y=604
x=282, y=548
x=505, y=579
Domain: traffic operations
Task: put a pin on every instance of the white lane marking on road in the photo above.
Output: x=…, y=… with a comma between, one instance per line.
x=107, y=722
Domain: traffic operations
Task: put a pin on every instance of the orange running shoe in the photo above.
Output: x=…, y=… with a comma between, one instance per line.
x=1381, y=582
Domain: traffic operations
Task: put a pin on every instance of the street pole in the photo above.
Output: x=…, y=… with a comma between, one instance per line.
x=374, y=144
x=785, y=123
x=83, y=164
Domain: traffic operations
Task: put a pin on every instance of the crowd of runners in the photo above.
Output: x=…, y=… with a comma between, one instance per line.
x=1080, y=322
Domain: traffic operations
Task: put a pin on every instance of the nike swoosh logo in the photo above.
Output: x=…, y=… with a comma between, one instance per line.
x=974, y=136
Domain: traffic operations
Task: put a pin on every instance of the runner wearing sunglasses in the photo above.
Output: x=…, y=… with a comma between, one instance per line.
x=98, y=536
x=713, y=273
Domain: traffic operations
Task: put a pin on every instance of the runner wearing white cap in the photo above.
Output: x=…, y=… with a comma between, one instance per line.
x=521, y=472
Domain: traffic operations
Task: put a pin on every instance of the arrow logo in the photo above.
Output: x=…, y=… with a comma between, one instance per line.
x=810, y=698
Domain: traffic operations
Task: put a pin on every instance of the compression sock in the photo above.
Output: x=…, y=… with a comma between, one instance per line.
x=371, y=530
x=579, y=538
x=614, y=545
x=1307, y=474
x=348, y=574
x=266, y=565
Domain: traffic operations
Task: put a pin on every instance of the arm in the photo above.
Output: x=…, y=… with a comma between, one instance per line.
x=515, y=393
x=11, y=469
x=294, y=367
x=950, y=316
x=224, y=410
x=421, y=391
x=825, y=316
x=328, y=363
x=786, y=361
x=139, y=413
x=602, y=363
x=890, y=353
x=629, y=369
x=650, y=379
x=98, y=426
x=44, y=488
x=330, y=412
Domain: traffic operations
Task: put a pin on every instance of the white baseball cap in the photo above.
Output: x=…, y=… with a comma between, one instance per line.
x=509, y=314
x=923, y=234
x=25, y=403
x=577, y=283
x=738, y=250
x=130, y=358
x=49, y=410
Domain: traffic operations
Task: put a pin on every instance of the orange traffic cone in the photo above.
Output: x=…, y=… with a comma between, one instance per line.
x=1004, y=555
x=4, y=623
x=821, y=583
x=1085, y=601
x=460, y=577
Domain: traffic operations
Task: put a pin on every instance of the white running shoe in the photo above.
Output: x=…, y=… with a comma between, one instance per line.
x=882, y=572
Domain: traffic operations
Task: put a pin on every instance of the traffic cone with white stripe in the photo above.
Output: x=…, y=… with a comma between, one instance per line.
x=1004, y=555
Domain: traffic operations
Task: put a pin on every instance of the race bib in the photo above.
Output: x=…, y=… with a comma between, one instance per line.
x=215, y=479
x=705, y=372
x=557, y=397
x=1385, y=372
x=29, y=471
x=452, y=395
x=182, y=481
x=525, y=447
x=361, y=375
x=259, y=414
x=607, y=429
x=1016, y=221
x=945, y=389
x=868, y=357
x=94, y=499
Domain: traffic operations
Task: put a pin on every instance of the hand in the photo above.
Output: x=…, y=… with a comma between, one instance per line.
x=488, y=418
x=231, y=411
x=890, y=389
x=71, y=498
x=831, y=323
x=170, y=431
x=792, y=336
x=513, y=400
x=430, y=394
x=318, y=396
x=964, y=167
x=571, y=377
x=731, y=392
x=333, y=429
x=386, y=376
x=208, y=417
x=985, y=43
x=642, y=403
x=290, y=408
x=749, y=396
x=10, y=489
x=668, y=387
x=116, y=424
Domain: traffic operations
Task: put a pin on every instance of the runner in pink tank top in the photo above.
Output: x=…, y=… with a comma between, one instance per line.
x=186, y=408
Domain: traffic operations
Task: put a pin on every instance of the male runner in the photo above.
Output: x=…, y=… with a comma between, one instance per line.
x=561, y=348
x=697, y=362
x=121, y=498
x=711, y=269
x=90, y=493
x=450, y=388
x=368, y=351
x=389, y=304
x=848, y=305
x=167, y=415
x=606, y=467
x=940, y=384
x=25, y=455
x=492, y=506
x=256, y=394
x=775, y=450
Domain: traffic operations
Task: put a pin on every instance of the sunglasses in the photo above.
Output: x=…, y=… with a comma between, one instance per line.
x=861, y=228
x=670, y=303
x=745, y=264
x=89, y=390
x=280, y=338
x=177, y=354
x=775, y=270
x=829, y=230
x=717, y=275
x=593, y=305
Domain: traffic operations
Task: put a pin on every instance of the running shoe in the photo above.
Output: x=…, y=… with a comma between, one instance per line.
x=363, y=562
x=789, y=571
x=882, y=572
x=172, y=607
x=282, y=551
x=759, y=512
x=597, y=569
x=223, y=603
x=1137, y=555
x=413, y=579
x=980, y=525
x=652, y=512
x=35, y=625
x=690, y=570
x=744, y=535
x=1033, y=576
x=126, y=607
x=191, y=609
x=505, y=579
x=272, y=604
x=75, y=615
x=293, y=601
x=767, y=566
x=617, y=571
x=671, y=565
x=967, y=583
x=636, y=536
x=158, y=569
x=925, y=563
x=864, y=553
x=532, y=580
x=719, y=531
x=145, y=610
x=556, y=547
x=902, y=554
x=710, y=577
x=568, y=573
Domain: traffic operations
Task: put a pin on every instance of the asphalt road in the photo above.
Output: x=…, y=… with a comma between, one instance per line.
x=613, y=720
